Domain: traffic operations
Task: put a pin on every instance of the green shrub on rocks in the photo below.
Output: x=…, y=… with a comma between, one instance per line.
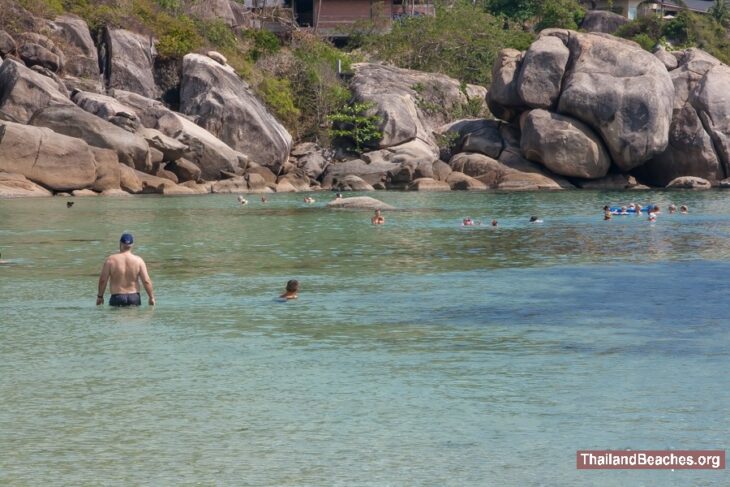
x=461, y=41
x=687, y=29
x=356, y=126
x=277, y=94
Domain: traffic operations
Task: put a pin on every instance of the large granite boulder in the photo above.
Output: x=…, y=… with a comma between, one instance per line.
x=478, y=166
x=7, y=44
x=171, y=149
x=461, y=182
x=428, y=185
x=108, y=174
x=623, y=93
x=689, y=182
x=50, y=74
x=82, y=59
x=131, y=149
x=36, y=55
x=668, y=59
x=23, y=91
x=510, y=172
x=602, y=21
x=184, y=170
x=691, y=151
x=411, y=104
x=54, y=62
x=55, y=161
x=130, y=62
x=205, y=150
x=350, y=183
x=541, y=76
x=147, y=110
x=374, y=174
x=503, y=98
x=475, y=135
x=208, y=152
x=18, y=186
x=223, y=104
x=711, y=99
x=528, y=175
x=564, y=145
x=107, y=108
x=128, y=179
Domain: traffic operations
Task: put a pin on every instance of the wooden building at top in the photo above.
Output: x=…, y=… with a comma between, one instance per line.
x=329, y=16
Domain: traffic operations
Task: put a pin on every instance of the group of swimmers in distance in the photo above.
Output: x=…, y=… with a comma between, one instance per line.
x=634, y=209
x=468, y=222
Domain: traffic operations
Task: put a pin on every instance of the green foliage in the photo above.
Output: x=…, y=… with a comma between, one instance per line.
x=217, y=33
x=44, y=8
x=520, y=10
x=645, y=41
x=264, y=43
x=177, y=36
x=679, y=29
x=651, y=25
x=170, y=5
x=687, y=29
x=447, y=141
x=564, y=14
x=278, y=95
x=461, y=41
x=318, y=89
x=720, y=11
x=354, y=125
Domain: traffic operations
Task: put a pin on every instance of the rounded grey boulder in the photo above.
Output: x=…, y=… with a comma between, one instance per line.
x=564, y=145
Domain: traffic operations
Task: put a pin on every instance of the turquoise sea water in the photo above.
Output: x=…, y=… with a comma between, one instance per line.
x=419, y=353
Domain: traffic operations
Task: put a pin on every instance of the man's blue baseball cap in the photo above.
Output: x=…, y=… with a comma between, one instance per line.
x=127, y=239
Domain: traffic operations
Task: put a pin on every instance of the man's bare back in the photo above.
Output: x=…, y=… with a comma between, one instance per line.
x=124, y=272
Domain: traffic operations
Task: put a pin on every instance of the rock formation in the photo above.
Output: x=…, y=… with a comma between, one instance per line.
x=222, y=103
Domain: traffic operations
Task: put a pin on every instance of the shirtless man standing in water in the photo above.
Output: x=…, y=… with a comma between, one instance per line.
x=125, y=271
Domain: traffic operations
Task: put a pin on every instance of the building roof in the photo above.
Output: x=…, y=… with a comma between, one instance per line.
x=695, y=5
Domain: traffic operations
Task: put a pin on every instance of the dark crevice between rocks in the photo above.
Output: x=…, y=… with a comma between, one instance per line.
x=104, y=51
x=569, y=66
x=168, y=74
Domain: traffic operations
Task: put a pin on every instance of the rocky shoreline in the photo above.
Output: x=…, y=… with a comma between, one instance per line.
x=576, y=110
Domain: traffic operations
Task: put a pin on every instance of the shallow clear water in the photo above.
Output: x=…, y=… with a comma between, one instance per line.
x=419, y=353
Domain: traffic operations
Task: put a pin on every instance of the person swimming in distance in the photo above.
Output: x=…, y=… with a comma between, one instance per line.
x=652, y=216
x=69, y=204
x=534, y=219
x=655, y=210
x=607, y=215
x=672, y=209
x=467, y=222
x=308, y=200
x=378, y=218
x=494, y=223
x=683, y=210
x=292, y=288
x=264, y=200
x=242, y=200
x=338, y=196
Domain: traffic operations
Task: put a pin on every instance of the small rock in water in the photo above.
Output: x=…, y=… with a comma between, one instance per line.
x=359, y=203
